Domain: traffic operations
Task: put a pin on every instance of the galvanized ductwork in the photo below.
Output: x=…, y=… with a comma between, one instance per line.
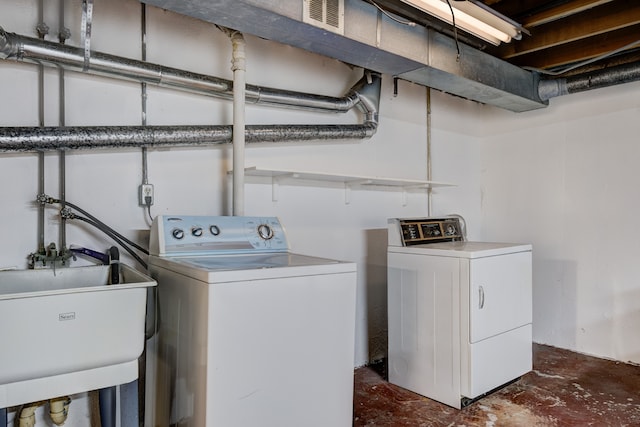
x=28, y=49
x=364, y=95
x=375, y=42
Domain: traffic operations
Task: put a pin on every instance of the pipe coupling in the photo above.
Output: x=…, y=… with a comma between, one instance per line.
x=59, y=409
x=5, y=44
x=552, y=88
x=238, y=61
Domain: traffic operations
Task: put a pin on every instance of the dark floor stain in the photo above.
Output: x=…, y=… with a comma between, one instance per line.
x=564, y=389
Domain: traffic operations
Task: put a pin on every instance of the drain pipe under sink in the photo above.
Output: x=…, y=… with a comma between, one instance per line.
x=107, y=404
x=27, y=414
x=59, y=409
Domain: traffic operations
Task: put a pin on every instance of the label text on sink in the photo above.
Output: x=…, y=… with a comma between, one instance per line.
x=67, y=316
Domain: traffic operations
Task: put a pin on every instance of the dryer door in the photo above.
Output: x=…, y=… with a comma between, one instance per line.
x=500, y=294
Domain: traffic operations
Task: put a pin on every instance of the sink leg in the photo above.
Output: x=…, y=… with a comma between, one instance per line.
x=3, y=417
x=107, y=400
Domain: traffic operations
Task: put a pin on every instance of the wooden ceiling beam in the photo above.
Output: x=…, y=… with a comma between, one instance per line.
x=596, y=21
x=560, y=12
x=515, y=9
x=580, y=50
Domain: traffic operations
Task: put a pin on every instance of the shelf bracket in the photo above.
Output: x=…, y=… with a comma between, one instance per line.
x=347, y=193
x=348, y=185
x=275, y=184
x=275, y=188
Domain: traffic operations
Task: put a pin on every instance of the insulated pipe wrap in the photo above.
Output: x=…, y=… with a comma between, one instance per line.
x=25, y=139
x=620, y=74
x=53, y=138
x=285, y=133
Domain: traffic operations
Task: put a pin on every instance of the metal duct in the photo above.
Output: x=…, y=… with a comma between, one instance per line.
x=54, y=138
x=364, y=95
x=21, y=48
x=624, y=73
x=375, y=42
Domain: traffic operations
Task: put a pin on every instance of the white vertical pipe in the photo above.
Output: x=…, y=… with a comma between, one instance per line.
x=429, y=174
x=239, y=85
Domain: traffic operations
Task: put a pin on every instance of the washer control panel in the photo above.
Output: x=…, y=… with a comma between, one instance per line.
x=202, y=235
x=426, y=230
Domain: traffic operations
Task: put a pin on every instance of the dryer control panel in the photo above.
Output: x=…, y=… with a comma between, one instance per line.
x=206, y=235
x=419, y=231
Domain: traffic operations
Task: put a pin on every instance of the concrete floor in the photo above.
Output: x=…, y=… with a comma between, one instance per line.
x=565, y=389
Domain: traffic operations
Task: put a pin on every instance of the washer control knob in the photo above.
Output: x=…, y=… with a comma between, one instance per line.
x=177, y=233
x=265, y=232
x=215, y=230
x=196, y=231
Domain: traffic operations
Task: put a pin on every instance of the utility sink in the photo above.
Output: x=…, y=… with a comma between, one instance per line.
x=67, y=330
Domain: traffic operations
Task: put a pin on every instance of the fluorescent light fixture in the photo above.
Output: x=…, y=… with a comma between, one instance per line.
x=472, y=17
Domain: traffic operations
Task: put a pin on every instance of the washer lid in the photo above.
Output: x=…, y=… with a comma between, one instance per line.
x=463, y=249
x=250, y=262
x=224, y=268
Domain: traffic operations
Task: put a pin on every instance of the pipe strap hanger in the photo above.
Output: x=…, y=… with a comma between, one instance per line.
x=85, y=34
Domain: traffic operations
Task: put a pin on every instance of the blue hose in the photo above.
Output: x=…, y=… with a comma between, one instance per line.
x=104, y=258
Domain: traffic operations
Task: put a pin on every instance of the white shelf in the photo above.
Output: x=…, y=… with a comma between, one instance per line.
x=349, y=181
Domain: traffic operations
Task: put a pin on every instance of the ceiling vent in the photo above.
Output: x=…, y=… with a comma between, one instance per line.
x=326, y=14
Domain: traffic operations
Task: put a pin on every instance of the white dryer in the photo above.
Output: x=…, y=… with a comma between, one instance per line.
x=459, y=312
x=250, y=334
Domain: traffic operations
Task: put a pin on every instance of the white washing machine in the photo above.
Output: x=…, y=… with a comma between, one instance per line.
x=250, y=334
x=459, y=312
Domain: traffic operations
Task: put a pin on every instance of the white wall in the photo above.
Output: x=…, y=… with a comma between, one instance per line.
x=562, y=178
x=566, y=179
x=194, y=180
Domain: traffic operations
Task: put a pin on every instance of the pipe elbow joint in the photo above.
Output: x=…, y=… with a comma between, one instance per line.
x=367, y=91
x=27, y=415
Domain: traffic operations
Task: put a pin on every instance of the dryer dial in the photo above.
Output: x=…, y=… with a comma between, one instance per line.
x=265, y=231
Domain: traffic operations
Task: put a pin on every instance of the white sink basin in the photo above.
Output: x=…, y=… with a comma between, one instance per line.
x=67, y=331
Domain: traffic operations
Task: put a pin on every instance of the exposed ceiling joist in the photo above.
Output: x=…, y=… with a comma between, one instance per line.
x=580, y=26
x=580, y=50
x=560, y=11
x=571, y=32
